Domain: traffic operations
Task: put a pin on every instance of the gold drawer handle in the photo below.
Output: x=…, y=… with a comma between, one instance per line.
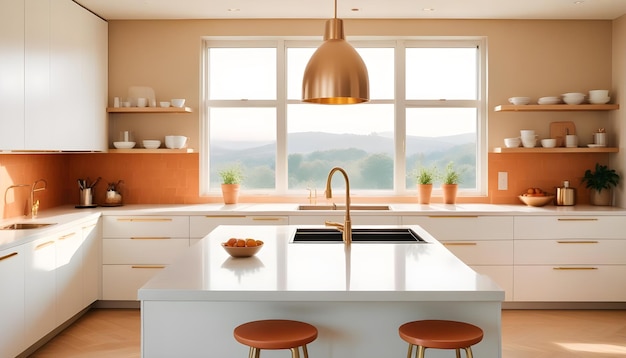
x=562, y=219
x=148, y=266
x=453, y=216
x=460, y=244
x=578, y=242
x=266, y=219
x=88, y=226
x=574, y=268
x=223, y=216
x=45, y=244
x=8, y=256
x=150, y=238
x=144, y=220
x=64, y=237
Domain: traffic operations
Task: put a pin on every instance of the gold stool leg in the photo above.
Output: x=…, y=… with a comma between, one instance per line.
x=295, y=352
x=458, y=353
x=305, y=351
x=420, y=351
x=408, y=355
x=468, y=352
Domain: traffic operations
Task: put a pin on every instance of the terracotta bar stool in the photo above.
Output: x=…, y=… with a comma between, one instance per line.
x=440, y=334
x=276, y=334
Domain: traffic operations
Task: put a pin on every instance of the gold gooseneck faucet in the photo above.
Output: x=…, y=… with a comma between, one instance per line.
x=346, y=227
x=34, y=205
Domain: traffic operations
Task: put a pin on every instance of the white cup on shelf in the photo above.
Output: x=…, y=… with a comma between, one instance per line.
x=571, y=141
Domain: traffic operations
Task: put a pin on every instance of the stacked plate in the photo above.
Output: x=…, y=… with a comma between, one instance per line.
x=549, y=100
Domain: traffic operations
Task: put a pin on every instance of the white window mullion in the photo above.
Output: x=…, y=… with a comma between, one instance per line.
x=400, y=121
x=281, y=119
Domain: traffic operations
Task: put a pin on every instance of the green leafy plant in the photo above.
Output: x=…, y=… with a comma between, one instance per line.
x=451, y=175
x=426, y=175
x=231, y=175
x=601, y=178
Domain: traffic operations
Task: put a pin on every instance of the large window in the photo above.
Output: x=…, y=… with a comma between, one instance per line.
x=426, y=109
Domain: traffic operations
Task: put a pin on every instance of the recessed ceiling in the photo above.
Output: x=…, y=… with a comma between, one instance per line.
x=356, y=9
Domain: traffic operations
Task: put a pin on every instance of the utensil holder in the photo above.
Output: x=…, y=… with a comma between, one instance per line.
x=86, y=197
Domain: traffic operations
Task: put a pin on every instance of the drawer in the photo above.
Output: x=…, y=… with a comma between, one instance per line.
x=482, y=252
x=145, y=226
x=200, y=226
x=581, y=283
x=121, y=282
x=142, y=251
x=572, y=251
x=356, y=219
x=570, y=227
x=460, y=227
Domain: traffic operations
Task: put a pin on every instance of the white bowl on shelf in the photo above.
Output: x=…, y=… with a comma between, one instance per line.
x=151, y=143
x=519, y=101
x=124, y=145
x=178, y=102
x=175, y=141
x=602, y=100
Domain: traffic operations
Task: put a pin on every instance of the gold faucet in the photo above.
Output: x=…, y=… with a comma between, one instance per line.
x=346, y=227
x=34, y=205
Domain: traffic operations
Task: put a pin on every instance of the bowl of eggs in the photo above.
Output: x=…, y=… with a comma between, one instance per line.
x=242, y=247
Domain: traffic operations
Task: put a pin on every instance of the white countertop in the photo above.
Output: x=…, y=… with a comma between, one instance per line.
x=286, y=271
x=64, y=216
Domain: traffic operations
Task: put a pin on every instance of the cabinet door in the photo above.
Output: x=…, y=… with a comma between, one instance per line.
x=200, y=226
x=92, y=262
x=570, y=227
x=356, y=219
x=69, y=275
x=40, y=263
x=461, y=227
x=142, y=251
x=74, y=117
x=12, y=302
x=12, y=74
x=145, y=226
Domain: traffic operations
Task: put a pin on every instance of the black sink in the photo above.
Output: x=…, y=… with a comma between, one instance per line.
x=384, y=235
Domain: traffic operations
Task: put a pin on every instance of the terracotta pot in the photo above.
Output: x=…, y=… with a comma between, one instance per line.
x=230, y=192
x=602, y=198
x=424, y=193
x=449, y=193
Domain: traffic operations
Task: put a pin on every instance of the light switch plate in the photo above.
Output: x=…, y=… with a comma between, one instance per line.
x=503, y=181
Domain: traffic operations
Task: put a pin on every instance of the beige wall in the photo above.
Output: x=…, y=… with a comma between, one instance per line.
x=618, y=118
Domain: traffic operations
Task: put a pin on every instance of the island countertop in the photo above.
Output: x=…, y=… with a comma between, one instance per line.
x=287, y=271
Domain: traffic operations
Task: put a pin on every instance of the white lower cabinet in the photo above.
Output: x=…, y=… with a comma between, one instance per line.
x=202, y=225
x=68, y=275
x=12, y=340
x=40, y=288
x=135, y=248
x=92, y=261
x=485, y=243
x=570, y=259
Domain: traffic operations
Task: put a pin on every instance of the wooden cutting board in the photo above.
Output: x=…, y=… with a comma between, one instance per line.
x=558, y=130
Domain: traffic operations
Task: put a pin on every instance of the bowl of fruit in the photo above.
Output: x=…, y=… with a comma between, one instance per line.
x=536, y=197
x=242, y=247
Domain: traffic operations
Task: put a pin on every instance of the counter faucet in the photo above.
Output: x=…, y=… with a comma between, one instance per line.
x=34, y=205
x=346, y=227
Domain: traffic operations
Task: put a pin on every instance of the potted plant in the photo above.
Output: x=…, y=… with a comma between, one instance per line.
x=425, y=177
x=600, y=182
x=231, y=180
x=450, y=183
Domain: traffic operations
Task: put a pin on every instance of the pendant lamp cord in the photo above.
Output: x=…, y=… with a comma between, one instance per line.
x=335, y=9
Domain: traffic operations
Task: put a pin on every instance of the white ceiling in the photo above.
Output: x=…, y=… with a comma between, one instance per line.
x=356, y=9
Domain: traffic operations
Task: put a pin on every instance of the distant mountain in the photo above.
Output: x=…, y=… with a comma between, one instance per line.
x=308, y=142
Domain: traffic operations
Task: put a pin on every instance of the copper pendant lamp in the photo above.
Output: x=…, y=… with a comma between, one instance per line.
x=335, y=74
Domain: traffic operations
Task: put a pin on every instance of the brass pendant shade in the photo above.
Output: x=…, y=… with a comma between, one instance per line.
x=335, y=74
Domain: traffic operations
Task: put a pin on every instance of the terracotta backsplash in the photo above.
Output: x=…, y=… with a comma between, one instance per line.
x=173, y=178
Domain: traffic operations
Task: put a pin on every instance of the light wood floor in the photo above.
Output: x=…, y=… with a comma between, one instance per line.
x=525, y=334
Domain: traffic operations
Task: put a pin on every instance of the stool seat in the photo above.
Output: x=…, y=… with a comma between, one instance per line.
x=275, y=334
x=440, y=334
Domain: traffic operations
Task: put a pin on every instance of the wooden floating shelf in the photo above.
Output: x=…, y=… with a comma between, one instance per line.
x=149, y=110
x=555, y=107
x=151, y=151
x=555, y=150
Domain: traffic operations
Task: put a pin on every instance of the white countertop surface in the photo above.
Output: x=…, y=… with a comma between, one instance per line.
x=65, y=216
x=286, y=271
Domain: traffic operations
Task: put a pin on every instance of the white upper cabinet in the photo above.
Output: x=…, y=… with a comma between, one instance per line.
x=58, y=100
x=12, y=74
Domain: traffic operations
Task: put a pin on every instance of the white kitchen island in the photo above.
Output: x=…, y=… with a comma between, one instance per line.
x=356, y=297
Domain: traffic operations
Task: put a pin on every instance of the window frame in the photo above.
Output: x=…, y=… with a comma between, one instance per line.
x=400, y=102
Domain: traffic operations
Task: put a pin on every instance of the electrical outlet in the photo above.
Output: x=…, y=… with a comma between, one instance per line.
x=503, y=181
